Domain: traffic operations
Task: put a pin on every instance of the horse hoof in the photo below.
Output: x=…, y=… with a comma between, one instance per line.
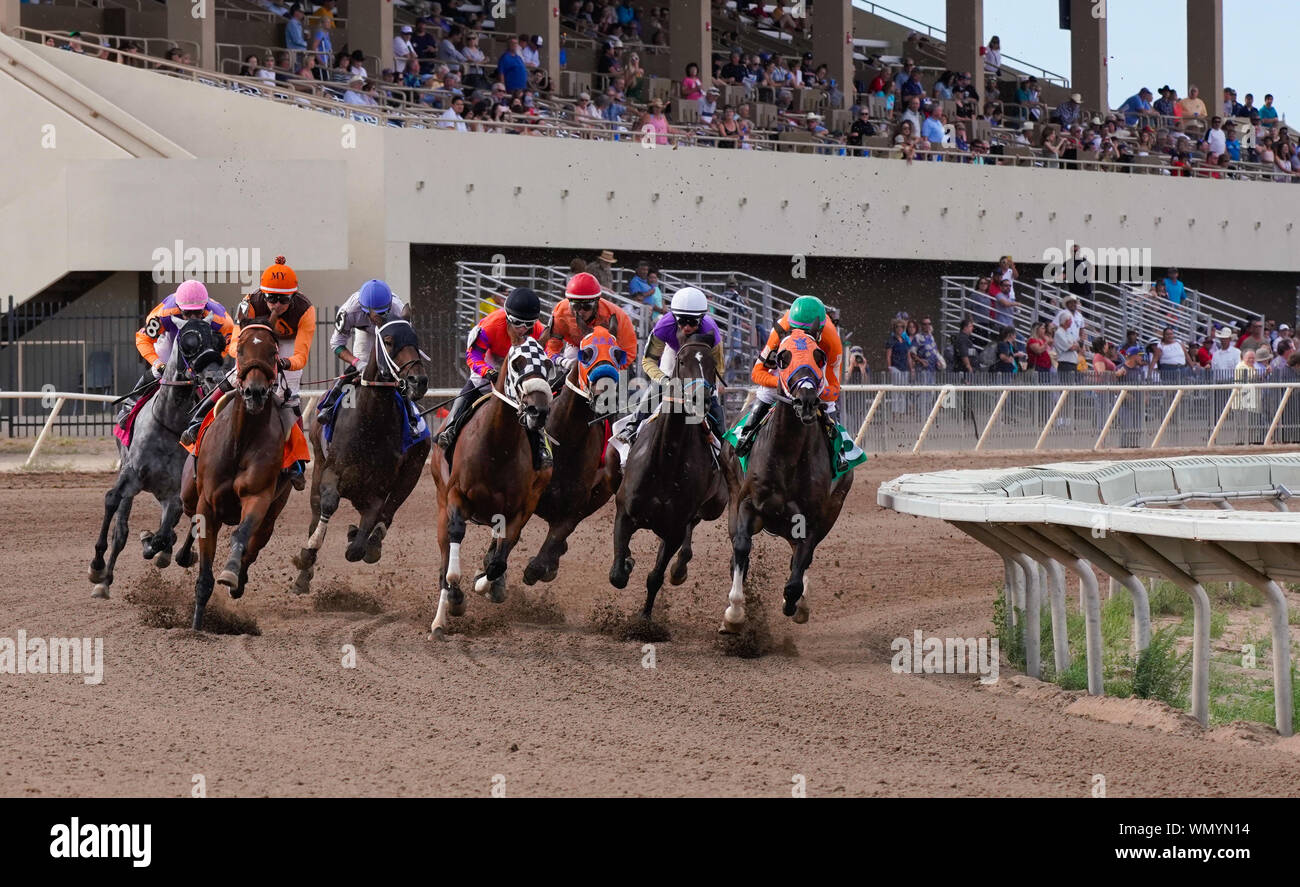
x=186, y=559
x=532, y=573
x=456, y=609
x=481, y=583
x=354, y=553
x=373, y=554
x=352, y=532
x=303, y=560
x=734, y=616
x=101, y=592
x=727, y=628
x=438, y=633
x=302, y=585
x=96, y=575
x=164, y=560
x=145, y=536
x=230, y=580
x=678, y=575
x=801, y=611
x=618, y=580
x=497, y=592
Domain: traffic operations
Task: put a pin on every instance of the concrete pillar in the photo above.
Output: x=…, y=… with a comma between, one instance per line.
x=1089, y=75
x=1205, y=52
x=9, y=15
x=965, y=33
x=832, y=26
x=691, y=38
x=542, y=17
x=370, y=29
x=194, y=24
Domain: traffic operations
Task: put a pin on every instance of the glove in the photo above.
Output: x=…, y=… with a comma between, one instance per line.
x=158, y=369
x=769, y=362
x=283, y=363
x=352, y=370
x=491, y=376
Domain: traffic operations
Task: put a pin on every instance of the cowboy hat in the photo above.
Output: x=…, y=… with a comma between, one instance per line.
x=1223, y=333
x=606, y=256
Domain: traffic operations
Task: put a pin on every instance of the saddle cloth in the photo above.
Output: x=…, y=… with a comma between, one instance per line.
x=295, y=446
x=124, y=434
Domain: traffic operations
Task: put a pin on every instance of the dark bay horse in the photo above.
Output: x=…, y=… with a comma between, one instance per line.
x=236, y=479
x=787, y=489
x=368, y=460
x=491, y=479
x=671, y=480
x=580, y=484
x=154, y=460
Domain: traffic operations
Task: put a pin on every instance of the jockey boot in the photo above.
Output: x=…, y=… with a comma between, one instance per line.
x=191, y=433
x=745, y=439
x=130, y=402
x=541, y=450
x=290, y=415
x=455, y=421
x=628, y=432
x=717, y=421
x=838, y=462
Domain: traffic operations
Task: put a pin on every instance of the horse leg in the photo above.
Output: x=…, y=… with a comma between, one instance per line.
x=162, y=542
x=112, y=501
x=256, y=543
x=408, y=476
x=357, y=542
x=655, y=579
x=796, y=589
x=185, y=557
x=493, y=582
x=455, y=529
x=254, y=511
x=324, y=502
x=444, y=590
x=546, y=564
x=121, y=530
x=189, y=503
x=748, y=522
x=678, y=575
x=205, y=516
x=621, y=571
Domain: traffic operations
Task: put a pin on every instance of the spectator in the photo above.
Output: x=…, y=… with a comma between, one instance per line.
x=1071, y=112
x=1166, y=106
x=1192, y=106
x=1231, y=143
x=530, y=49
x=324, y=14
x=727, y=129
x=639, y=284
x=912, y=87
x=858, y=373
x=510, y=67
x=1008, y=274
x=928, y=357
x=1172, y=359
x=1216, y=140
x=357, y=67
x=403, y=49
x=1268, y=114
x=1027, y=96
x=1078, y=324
x=1004, y=303
x=355, y=94
x=1138, y=107
x=1065, y=344
x=1283, y=331
x=654, y=297
x=655, y=121
x=1133, y=367
x=609, y=62
x=452, y=117
x=1282, y=352
x=600, y=268
x=293, y=36
x=963, y=346
x=898, y=351
x=426, y=46
x=1103, y=356
x=932, y=128
x=913, y=115
x=1254, y=337
x=1225, y=355
x=709, y=105
x=1079, y=277
x=449, y=47
x=734, y=72
x=993, y=58
x=903, y=74
x=1173, y=286
x=1005, y=352
x=251, y=66
x=692, y=86
x=1038, y=355
x=475, y=60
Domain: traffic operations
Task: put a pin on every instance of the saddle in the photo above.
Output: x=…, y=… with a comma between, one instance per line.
x=295, y=442
x=126, y=429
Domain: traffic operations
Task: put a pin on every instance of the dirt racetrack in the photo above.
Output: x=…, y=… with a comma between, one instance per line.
x=543, y=690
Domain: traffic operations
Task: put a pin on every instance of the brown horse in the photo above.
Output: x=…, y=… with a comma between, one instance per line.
x=580, y=484
x=491, y=479
x=672, y=480
x=788, y=488
x=370, y=460
x=236, y=479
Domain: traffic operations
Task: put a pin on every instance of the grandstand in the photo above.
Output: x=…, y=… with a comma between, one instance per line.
x=148, y=109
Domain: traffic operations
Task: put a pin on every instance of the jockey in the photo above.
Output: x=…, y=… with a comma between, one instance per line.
x=155, y=339
x=806, y=313
x=581, y=311
x=689, y=315
x=489, y=342
x=293, y=319
x=366, y=310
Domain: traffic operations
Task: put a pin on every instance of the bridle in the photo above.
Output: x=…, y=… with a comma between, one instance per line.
x=272, y=370
x=390, y=376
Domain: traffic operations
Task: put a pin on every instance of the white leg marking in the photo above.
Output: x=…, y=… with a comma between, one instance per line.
x=440, y=618
x=453, y=565
x=318, y=538
x=735, y=613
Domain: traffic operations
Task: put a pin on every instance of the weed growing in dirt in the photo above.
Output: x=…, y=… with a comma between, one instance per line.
x=1010, y=638
x=1161, y=672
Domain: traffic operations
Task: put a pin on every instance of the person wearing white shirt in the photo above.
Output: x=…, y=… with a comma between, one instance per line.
x=1226, y=357
x=403, y=49
x=1215, y=139
x=355, y=95
x=528, y=52
x=1078, y=325
x=451, y=119
x=1065, y=344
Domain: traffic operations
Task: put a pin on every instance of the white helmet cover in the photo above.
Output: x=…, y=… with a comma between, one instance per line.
x=689, y=300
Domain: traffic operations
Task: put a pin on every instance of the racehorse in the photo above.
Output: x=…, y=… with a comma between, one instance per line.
x=788, y=488
x=672, y=480
x=492, y=479
x=582, y=481
x=370, y=459
x=154, y=459
x=236, y=478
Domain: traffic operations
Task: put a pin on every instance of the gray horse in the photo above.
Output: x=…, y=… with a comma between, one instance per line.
x=153, y=461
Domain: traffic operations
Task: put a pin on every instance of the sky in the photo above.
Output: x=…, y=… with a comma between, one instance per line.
x=1148, y=43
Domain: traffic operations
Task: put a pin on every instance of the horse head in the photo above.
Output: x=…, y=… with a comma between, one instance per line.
x=257, y=360
x=528, y=373
x=199, y=349
x=599, y=360
x=398, y=358
x=801, y=370
x=698, y=370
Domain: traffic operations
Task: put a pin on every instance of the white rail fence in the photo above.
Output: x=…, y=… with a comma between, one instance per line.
x=963, y=418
